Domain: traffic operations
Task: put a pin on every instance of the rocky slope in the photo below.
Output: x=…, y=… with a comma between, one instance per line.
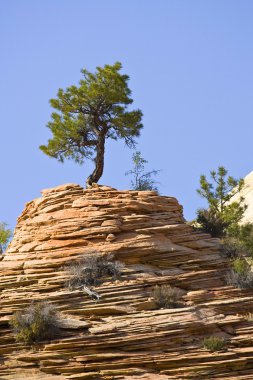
x=124, y=335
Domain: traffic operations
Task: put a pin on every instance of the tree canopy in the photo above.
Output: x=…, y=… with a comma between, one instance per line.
x=88, y=114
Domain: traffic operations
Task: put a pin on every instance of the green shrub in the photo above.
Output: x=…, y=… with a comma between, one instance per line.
x=214, y=343
x=240, y=266
x=240, y=275
x=93, y=270
x=37, y=322
x=165, y=296
x=210, y=222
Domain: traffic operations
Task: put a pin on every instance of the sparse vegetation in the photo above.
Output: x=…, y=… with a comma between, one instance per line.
x=240, y=274
x=232, y=248
x=165, y=296
x=222, y=219
x=240, y=266
x=93, y=270
x=5, y=235
x=243, y=234
x=222, y=214
x=37, y=322
x=142, y=180
x=214, y=343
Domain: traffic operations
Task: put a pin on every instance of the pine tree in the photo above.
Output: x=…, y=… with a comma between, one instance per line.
x=142, y=180
x=88, y=114
x=223, y=213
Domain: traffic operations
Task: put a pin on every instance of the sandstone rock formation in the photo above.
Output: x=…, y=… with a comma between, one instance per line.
x=124, y=335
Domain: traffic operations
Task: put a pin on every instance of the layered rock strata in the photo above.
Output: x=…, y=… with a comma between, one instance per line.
x=124, y=335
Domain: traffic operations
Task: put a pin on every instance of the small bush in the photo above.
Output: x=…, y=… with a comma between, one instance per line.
x=37, y=322
x=92, y=270
x=244, y=235
x=241, y=281
x=210, y=222
x=240, y=266
x=214, y=343
x=240, y=274
x=166, y=296
x=232, y=248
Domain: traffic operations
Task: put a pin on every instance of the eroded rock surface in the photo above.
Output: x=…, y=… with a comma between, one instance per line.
x=124, y=335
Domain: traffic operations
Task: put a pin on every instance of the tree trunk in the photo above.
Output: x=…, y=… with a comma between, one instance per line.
x=99, y=161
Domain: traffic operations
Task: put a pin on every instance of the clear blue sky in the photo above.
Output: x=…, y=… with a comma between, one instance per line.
x=190, y=64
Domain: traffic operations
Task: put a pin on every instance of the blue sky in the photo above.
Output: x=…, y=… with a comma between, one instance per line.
x=190, y=64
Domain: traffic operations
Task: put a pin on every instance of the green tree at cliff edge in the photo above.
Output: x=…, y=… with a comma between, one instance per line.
x=88, y=114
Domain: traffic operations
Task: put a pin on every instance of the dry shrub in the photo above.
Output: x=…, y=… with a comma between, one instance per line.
x=248, y=316
x=35, y=323
x=232, y=248
x=93, y=270
x=165, y=296
x=240, y=274
x=241, y=281
x=214, y=343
